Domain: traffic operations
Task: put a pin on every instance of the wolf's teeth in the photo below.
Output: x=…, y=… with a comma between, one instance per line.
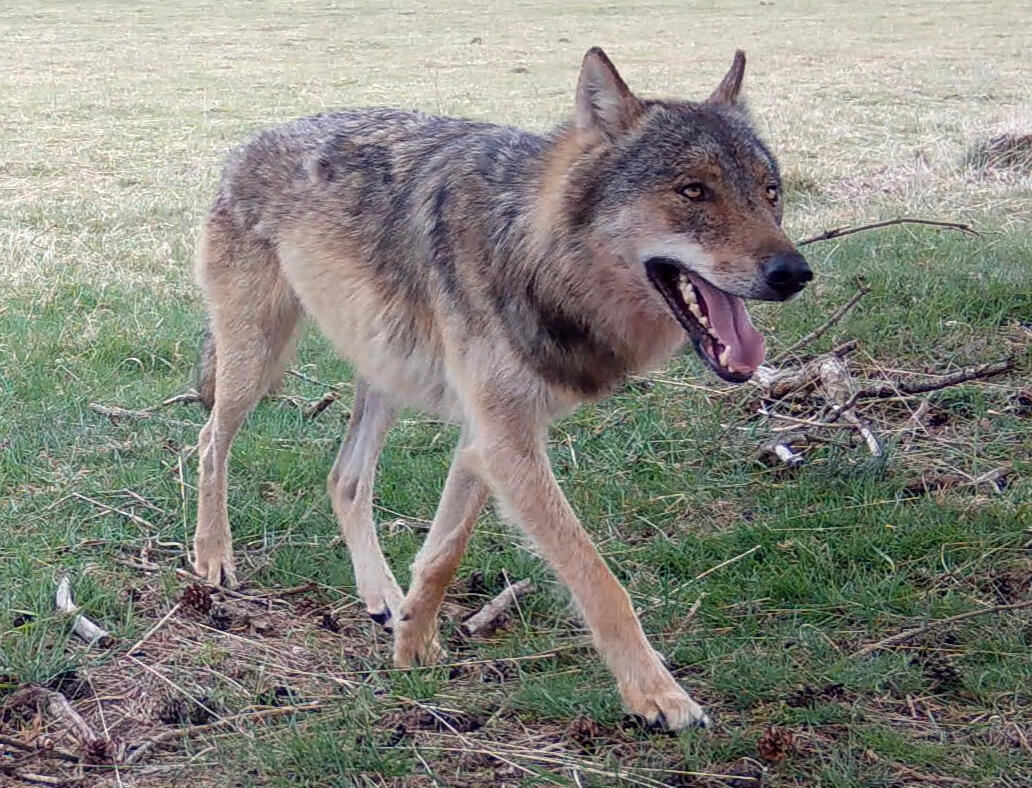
x=725, y=354
x=687, y=292
x=692, y=302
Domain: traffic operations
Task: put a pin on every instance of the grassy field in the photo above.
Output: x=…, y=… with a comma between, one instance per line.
x=114, y=119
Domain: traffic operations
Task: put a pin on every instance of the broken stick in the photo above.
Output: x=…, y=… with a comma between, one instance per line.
x=313, y=409
x=82, y=626
x=493, y=609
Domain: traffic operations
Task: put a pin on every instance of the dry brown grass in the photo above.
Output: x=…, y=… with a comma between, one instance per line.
x=115, y=118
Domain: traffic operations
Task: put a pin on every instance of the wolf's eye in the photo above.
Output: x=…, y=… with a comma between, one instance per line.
x=772, y=193
x=695, y=192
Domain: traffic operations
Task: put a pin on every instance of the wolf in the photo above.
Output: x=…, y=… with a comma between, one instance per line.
x=495, y=278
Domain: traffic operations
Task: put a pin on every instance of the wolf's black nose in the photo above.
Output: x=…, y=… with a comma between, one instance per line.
x=786, y=273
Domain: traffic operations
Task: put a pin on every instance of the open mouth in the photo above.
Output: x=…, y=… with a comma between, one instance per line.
x=719, y=326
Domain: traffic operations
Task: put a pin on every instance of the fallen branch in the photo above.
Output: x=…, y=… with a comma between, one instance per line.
x=42, y=750
x=838, y=232
x=115, y=413
x=830, y=373
x=82, y=626
x=991, y=481
x=496, y=607
x=932, y=626
x=822, y=329
x=943, y=381
x=42, y=779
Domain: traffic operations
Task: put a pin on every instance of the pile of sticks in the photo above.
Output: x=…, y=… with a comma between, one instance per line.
x=809, y=403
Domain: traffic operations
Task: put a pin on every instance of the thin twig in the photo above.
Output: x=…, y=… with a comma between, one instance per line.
x=822, y=329
x=309, y=379
x=728, y=562
x=925, y=779
x=139, y=643
x=693, y=611
x=116, y=413
x=838, y=232
x=941, y=623
x=129, y=515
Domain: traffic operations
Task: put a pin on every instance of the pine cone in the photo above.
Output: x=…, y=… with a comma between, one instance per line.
x=775, y=744
x=941, y=671
x=197, y=597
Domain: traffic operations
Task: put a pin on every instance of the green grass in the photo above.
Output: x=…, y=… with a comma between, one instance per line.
x=115, y=119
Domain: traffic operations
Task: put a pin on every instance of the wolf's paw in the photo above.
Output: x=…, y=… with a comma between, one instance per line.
x=671, y=708
x=213, y=560
x=416, y=645
x=383, y=607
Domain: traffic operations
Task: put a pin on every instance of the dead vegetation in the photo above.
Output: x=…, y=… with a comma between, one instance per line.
x=1010, y=151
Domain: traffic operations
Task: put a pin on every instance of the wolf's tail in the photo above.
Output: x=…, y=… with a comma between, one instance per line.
x=204, y=374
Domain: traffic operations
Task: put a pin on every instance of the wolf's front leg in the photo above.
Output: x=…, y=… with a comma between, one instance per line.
x=517, y=468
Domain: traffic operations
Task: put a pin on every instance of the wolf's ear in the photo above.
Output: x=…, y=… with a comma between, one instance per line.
x=604, y=102
x=731, y=84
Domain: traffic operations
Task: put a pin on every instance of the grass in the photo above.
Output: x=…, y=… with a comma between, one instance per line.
x=115, y=118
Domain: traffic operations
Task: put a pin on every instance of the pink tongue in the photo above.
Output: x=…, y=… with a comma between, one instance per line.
x=731, y=323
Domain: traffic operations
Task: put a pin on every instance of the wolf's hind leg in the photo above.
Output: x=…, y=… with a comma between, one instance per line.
x=253, y=316
x=461, y=502
x=350, y=486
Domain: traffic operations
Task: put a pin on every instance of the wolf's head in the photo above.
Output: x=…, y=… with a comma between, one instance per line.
x=687, y=194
